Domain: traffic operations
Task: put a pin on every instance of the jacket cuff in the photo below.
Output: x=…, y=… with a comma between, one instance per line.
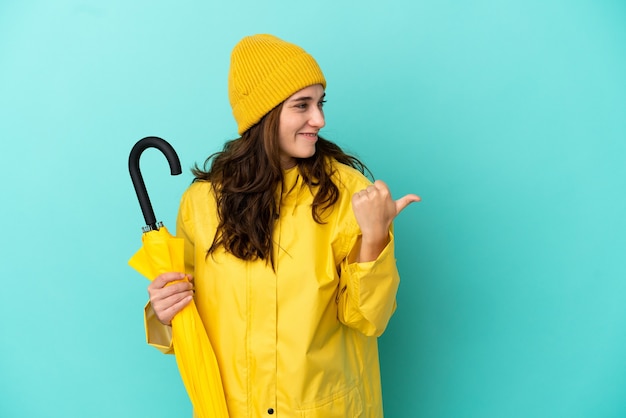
x=372, y=286
x=158, y=335
x=386, y=258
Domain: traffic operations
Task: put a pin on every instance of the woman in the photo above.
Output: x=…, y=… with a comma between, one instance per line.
x=290, y=249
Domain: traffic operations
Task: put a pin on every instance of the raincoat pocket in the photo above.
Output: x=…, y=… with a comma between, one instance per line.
x=344, y=404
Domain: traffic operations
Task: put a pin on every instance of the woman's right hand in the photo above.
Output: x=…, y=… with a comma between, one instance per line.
x=169, y=299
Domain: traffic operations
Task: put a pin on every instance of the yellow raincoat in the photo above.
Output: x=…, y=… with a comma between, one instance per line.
x=301, y=341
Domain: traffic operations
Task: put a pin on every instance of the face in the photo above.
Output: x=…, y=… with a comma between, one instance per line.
x=301, y=118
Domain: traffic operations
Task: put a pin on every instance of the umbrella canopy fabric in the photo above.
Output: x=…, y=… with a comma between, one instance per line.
x=197, y=364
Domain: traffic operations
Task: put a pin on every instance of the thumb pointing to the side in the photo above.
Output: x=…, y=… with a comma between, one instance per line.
x=405, y=201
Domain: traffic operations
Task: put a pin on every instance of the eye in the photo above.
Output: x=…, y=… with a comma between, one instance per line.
x=321, y=104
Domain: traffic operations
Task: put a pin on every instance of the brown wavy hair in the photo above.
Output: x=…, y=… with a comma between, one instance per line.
x=246, y=175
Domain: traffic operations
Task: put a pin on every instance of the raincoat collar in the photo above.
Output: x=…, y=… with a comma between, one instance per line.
x=293, y=190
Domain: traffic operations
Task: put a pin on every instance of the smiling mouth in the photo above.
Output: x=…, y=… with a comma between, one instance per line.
x=309, y=135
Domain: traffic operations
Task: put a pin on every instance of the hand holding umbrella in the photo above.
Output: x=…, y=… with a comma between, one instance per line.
x=161, y=253
x=169, y=294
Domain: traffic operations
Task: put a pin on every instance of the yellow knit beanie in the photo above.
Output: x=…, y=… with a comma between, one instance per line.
x=264, y=71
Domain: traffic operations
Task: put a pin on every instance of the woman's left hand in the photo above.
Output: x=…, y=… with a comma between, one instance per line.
x=375, y=210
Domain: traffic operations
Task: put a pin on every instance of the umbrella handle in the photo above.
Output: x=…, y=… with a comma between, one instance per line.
x=135, y=173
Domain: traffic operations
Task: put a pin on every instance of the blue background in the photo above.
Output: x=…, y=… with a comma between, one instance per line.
x=507, y=117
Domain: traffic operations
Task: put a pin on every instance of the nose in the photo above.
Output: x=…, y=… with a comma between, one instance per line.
x=317, y=118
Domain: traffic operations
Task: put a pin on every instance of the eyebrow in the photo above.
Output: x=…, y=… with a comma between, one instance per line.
x=306, y=98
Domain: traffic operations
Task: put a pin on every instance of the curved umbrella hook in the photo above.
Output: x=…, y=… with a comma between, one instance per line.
x=135, y=174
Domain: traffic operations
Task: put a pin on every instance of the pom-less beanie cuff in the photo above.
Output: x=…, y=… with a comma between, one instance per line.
x=264, y=72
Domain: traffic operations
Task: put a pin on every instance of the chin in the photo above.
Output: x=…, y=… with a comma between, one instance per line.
x=309, y=154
